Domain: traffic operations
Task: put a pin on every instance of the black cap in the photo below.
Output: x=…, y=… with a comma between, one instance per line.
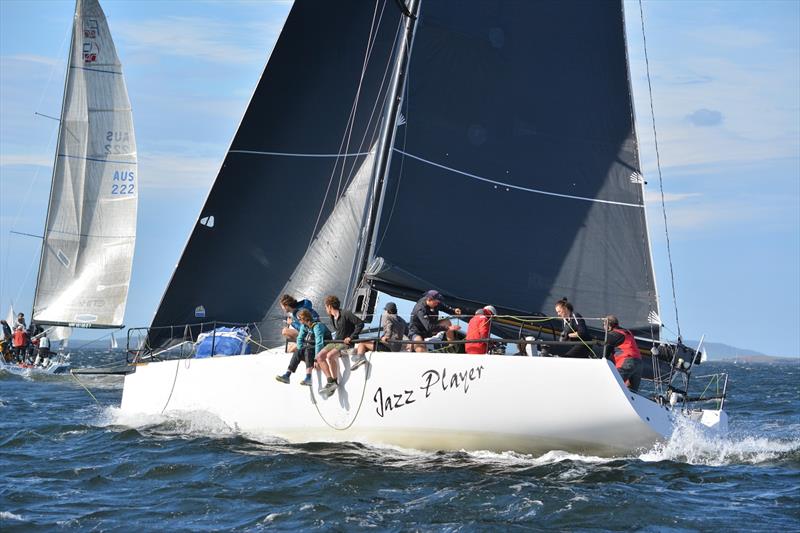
x=391, y=307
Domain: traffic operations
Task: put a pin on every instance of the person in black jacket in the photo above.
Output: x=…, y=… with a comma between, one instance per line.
x=424, y=321
x=573, y=329
x=346, y=327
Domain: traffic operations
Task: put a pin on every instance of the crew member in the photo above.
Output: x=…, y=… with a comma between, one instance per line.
x=425, y=318
x=479, y=327
x=622, y=349
x=573, y=329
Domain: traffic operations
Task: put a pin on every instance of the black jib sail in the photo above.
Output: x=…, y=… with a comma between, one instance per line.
x=515, y=177
x=302, y=149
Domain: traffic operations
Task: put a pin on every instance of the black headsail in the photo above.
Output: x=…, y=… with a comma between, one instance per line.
x=288, y=201
x=515, y=177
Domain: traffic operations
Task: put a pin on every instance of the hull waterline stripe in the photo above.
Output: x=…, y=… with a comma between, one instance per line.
x=286, y=154
x=512, y=186
x=97, y=159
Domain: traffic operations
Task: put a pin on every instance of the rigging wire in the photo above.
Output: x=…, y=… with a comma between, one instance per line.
x=344, y=145
x=660, y=177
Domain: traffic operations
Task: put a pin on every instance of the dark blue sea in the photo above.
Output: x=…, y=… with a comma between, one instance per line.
x=68, y=463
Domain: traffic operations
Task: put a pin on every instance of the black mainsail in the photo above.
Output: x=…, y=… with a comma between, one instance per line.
x=513, y=179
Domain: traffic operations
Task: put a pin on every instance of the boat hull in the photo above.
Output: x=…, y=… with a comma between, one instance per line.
x=422, y=401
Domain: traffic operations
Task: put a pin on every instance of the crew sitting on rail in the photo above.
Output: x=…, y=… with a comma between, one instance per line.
x=310, y=339
x=626, y=357
x=573, y=329
x=291, y=307
x=425, y=316
x=479, y=327
x=393, y=328
x=346, y=327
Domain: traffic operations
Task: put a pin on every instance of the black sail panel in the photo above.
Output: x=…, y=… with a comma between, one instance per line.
x=307, y=131
x=515, y=176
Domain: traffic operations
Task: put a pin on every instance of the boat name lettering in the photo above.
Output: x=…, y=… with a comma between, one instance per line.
x=430, y=379
x=392, y=401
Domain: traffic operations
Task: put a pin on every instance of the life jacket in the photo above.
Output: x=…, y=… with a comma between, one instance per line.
x=478, y=328
x=627, y=350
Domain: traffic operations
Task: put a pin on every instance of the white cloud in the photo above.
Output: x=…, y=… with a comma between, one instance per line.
x=177, y=171
x=30, y=58
x=654, y=197
x=200, y=38
x=25, y=159
x=730, y=36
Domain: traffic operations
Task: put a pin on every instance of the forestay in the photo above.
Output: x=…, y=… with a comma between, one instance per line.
x=90, y=231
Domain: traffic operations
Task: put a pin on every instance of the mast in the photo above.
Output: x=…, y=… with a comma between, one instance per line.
x=67, y=72
x=383, y=154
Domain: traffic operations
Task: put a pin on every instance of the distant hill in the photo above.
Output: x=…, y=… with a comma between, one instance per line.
x=717, y=351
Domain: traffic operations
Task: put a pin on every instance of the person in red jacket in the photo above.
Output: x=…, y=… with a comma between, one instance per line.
x=20, y=342
x=622, y=349
x=478, y=328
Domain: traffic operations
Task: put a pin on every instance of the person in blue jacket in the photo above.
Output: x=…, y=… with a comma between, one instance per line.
x=310, y=340
x=291, y=307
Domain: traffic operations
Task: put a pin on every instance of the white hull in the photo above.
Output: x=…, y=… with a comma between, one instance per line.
x=422, y=401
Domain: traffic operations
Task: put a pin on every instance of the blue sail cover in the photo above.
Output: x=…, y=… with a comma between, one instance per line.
x=515, y=176
x=222, y=341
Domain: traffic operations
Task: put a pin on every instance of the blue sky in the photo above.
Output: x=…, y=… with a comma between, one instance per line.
x=726, y=92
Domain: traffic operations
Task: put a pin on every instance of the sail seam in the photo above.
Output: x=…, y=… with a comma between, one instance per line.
x=289, y=154
x=512, y=186
x=97, y=159
x=97, y=70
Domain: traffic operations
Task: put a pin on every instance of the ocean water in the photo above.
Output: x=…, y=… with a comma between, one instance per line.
x=69, y=463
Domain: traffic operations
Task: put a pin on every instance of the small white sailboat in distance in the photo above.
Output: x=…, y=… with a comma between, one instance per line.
x=90, y=229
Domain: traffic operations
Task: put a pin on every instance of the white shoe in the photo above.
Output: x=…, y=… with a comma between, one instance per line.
x=358, y=363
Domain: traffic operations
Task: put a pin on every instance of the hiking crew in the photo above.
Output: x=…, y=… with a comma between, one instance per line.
x=291, y=307
x=346, y=327
x=310, y=339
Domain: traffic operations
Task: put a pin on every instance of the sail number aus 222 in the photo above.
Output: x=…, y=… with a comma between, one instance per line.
x=432, y=380
x=122, y=182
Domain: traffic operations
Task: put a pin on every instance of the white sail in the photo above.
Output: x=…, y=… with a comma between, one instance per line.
x=90, y=231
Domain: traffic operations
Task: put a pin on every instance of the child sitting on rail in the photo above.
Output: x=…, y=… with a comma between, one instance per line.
x=310, y=340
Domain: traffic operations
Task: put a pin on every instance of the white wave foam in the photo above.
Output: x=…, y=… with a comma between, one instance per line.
x=5, y=515
x=692, y=444
x=194, y=423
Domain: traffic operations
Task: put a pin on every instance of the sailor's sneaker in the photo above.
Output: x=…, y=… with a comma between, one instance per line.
x=358, y=363
x=306, y=381
x=283, y=378
x=328, y=389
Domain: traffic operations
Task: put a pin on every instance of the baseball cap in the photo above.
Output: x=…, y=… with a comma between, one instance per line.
x=434, y=295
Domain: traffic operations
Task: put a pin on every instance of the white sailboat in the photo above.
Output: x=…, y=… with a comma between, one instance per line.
x=90, y=230
x=488, y=152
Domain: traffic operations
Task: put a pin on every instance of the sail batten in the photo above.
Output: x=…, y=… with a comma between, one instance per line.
x=90, y=231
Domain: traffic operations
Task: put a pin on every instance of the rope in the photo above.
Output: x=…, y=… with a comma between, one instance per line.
x=174, y=381
x=84, y=387
x=360, y=403
x=660, y=177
